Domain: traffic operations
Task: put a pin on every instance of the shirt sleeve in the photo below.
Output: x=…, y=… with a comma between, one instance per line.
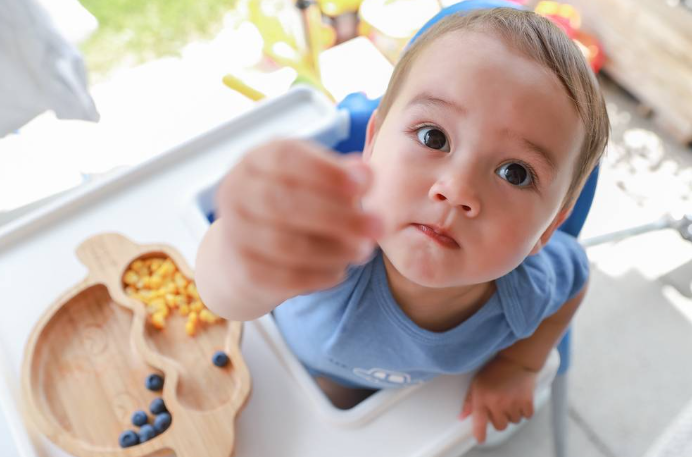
x=543, y=283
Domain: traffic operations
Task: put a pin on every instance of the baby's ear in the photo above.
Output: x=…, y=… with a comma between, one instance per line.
x=370, y=134
x=545, y=237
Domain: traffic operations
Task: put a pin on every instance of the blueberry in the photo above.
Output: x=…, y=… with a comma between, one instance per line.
x=146, y=433
x=220, y=359
x=154, y=382
x=139, y=418
x=157, y=406
x=128, y=438
x=162, y=422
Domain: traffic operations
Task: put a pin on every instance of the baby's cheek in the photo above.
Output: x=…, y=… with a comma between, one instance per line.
x=508, y=254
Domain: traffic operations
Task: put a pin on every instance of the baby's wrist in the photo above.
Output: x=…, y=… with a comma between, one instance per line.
x=523, y=365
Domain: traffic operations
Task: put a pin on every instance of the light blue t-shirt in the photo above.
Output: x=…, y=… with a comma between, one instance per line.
x=356, y=334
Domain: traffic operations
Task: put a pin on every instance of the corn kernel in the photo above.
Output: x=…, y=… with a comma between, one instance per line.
x=170, y=300
x=192, y=317
x=196, y=306
x=159, y=294
x=184, y=310
x=155, y=264
x=158, y=320
x=158, y=302
x=155, y=281
x=206, y=316
x=130, y=278
x=190, y=328
x=167, y=268
x=192, y=290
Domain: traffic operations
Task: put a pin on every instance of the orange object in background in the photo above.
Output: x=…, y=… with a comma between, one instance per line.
x=592, y=49
x=568, y=19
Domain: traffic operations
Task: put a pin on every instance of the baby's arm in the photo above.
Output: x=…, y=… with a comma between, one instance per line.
x=289, y=223
x=502, y=391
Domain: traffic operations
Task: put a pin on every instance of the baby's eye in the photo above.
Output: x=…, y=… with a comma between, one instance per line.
x=433, y=138
x=515, y=174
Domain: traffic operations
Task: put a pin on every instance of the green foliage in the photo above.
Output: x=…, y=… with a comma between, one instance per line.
x=134, y=31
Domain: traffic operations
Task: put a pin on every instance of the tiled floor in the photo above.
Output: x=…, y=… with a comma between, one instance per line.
x=632, y=371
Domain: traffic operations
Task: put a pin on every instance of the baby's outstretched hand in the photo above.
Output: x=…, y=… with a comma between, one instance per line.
x=501, y=392
x=292, y=220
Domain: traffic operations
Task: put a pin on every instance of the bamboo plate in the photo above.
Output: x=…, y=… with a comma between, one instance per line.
x=87, y=359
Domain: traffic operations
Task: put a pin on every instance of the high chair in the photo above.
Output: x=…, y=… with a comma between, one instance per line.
x=360, y=108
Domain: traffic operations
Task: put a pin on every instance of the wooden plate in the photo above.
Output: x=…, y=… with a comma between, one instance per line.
x=87, y=359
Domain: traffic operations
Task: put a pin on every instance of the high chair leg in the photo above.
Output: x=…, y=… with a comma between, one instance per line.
x=559, y=411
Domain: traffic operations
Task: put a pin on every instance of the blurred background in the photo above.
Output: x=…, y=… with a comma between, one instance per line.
x=146, y=76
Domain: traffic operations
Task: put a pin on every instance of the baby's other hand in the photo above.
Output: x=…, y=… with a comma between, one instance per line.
x=501, y=392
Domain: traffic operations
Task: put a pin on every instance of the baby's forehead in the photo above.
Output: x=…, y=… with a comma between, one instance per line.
x=468, y=62
x=474, y=47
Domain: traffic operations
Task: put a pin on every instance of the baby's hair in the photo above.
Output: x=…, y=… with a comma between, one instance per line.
x=542, y=41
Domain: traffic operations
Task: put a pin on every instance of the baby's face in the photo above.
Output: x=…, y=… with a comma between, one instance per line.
x=472, y=162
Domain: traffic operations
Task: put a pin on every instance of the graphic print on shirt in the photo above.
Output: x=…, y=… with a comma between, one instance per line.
x=383, y=376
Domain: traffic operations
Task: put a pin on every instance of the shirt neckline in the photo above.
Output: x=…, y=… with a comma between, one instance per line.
x=394, y=312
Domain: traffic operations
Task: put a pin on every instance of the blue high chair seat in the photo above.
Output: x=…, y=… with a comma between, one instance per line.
x=360, y=108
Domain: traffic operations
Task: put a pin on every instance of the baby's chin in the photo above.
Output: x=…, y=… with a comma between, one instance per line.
x=425, y=270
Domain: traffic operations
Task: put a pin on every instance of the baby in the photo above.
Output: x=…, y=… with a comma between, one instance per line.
x=436, y=251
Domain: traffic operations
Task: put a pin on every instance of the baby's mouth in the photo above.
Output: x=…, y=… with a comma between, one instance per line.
x=439, y=235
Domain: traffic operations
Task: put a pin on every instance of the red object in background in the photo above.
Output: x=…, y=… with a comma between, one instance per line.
x=563, y=23
x=592, y=49
x=588, y=44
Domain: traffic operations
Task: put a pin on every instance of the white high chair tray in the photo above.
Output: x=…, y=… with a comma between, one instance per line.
x=165, y=201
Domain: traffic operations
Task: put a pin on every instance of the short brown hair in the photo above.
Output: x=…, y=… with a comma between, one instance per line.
x=542, y=41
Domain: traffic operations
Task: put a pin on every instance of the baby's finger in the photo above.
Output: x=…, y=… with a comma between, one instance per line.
x=498, y=418
x=296, y=249
x=480, y=423
x=311, y=165
x=467, y=408
x=514, y=415
x=306, y=210
x=258, y=270
x=527, y=410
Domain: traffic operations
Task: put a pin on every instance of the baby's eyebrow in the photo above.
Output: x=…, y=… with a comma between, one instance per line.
x=542, y=152
x=429, y=100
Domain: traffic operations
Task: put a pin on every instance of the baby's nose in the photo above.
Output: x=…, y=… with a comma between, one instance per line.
x=459, y=195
